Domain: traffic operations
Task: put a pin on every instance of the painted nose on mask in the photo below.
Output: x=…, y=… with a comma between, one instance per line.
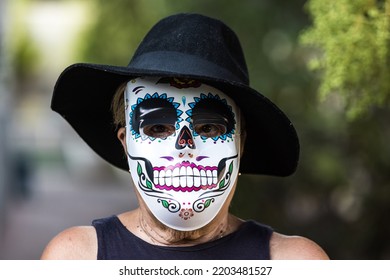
x=185, y=140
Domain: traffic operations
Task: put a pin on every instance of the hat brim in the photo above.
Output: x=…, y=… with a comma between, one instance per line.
x=83, y=95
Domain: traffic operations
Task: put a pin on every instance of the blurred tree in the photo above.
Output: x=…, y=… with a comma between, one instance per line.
x=117, y=28
x=350, y=43
x=354, y=42
x=24, y=53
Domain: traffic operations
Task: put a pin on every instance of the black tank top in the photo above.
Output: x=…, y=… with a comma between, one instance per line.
x=115, y=242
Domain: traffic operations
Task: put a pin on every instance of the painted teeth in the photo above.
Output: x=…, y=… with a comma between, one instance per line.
x=185, y=177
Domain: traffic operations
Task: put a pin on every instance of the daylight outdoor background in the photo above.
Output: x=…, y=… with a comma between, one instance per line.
x=324, y=62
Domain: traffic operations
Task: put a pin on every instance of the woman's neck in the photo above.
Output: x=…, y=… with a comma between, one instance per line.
x=152, y=231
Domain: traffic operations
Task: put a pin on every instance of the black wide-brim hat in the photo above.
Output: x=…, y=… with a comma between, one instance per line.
x=184, y=46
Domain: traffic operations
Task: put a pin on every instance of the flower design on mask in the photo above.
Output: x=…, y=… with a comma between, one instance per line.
x=186, y=214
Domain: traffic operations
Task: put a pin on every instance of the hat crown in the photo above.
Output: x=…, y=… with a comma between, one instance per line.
x=206, y=40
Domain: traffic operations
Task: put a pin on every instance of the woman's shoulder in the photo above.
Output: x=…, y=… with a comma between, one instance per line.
x=285, y=247
x=78, y=242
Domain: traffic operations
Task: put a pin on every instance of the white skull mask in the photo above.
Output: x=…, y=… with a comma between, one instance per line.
x=183, y=145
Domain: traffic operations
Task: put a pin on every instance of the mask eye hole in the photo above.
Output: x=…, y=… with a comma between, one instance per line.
x=154, y=117
x=158, y=130
x=210, y=130
x=212, y=118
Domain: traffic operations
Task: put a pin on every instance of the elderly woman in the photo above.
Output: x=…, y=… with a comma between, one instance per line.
x=182, y=118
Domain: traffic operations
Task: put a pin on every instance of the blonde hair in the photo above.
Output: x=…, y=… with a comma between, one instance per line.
x=118, y=107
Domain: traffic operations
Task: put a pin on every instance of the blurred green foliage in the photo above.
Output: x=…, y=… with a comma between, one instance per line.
x=352, y=39
x=25, y=57
x=23, y=51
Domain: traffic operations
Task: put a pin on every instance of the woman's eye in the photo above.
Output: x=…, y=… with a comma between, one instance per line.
x=159, y=130
x=210, y=130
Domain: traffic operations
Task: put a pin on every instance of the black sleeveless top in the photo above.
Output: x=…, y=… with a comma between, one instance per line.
x=115, y=242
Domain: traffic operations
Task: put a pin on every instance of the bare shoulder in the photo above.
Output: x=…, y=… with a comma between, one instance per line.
x=284, y=247
x=76, y=243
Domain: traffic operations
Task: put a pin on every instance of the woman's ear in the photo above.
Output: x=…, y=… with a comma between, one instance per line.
x=121, y=134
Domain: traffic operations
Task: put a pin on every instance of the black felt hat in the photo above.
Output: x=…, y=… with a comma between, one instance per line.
x=185, y=46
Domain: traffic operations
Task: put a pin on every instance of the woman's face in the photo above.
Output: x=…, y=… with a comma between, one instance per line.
x=183, y=148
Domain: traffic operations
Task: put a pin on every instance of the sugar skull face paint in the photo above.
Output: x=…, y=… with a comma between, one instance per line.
x=183, y=148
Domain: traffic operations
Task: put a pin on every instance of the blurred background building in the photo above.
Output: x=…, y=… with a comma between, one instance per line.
x=50, y=179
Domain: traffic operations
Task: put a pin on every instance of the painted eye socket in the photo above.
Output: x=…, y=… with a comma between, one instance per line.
x=210, y=130
x=158, y=130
